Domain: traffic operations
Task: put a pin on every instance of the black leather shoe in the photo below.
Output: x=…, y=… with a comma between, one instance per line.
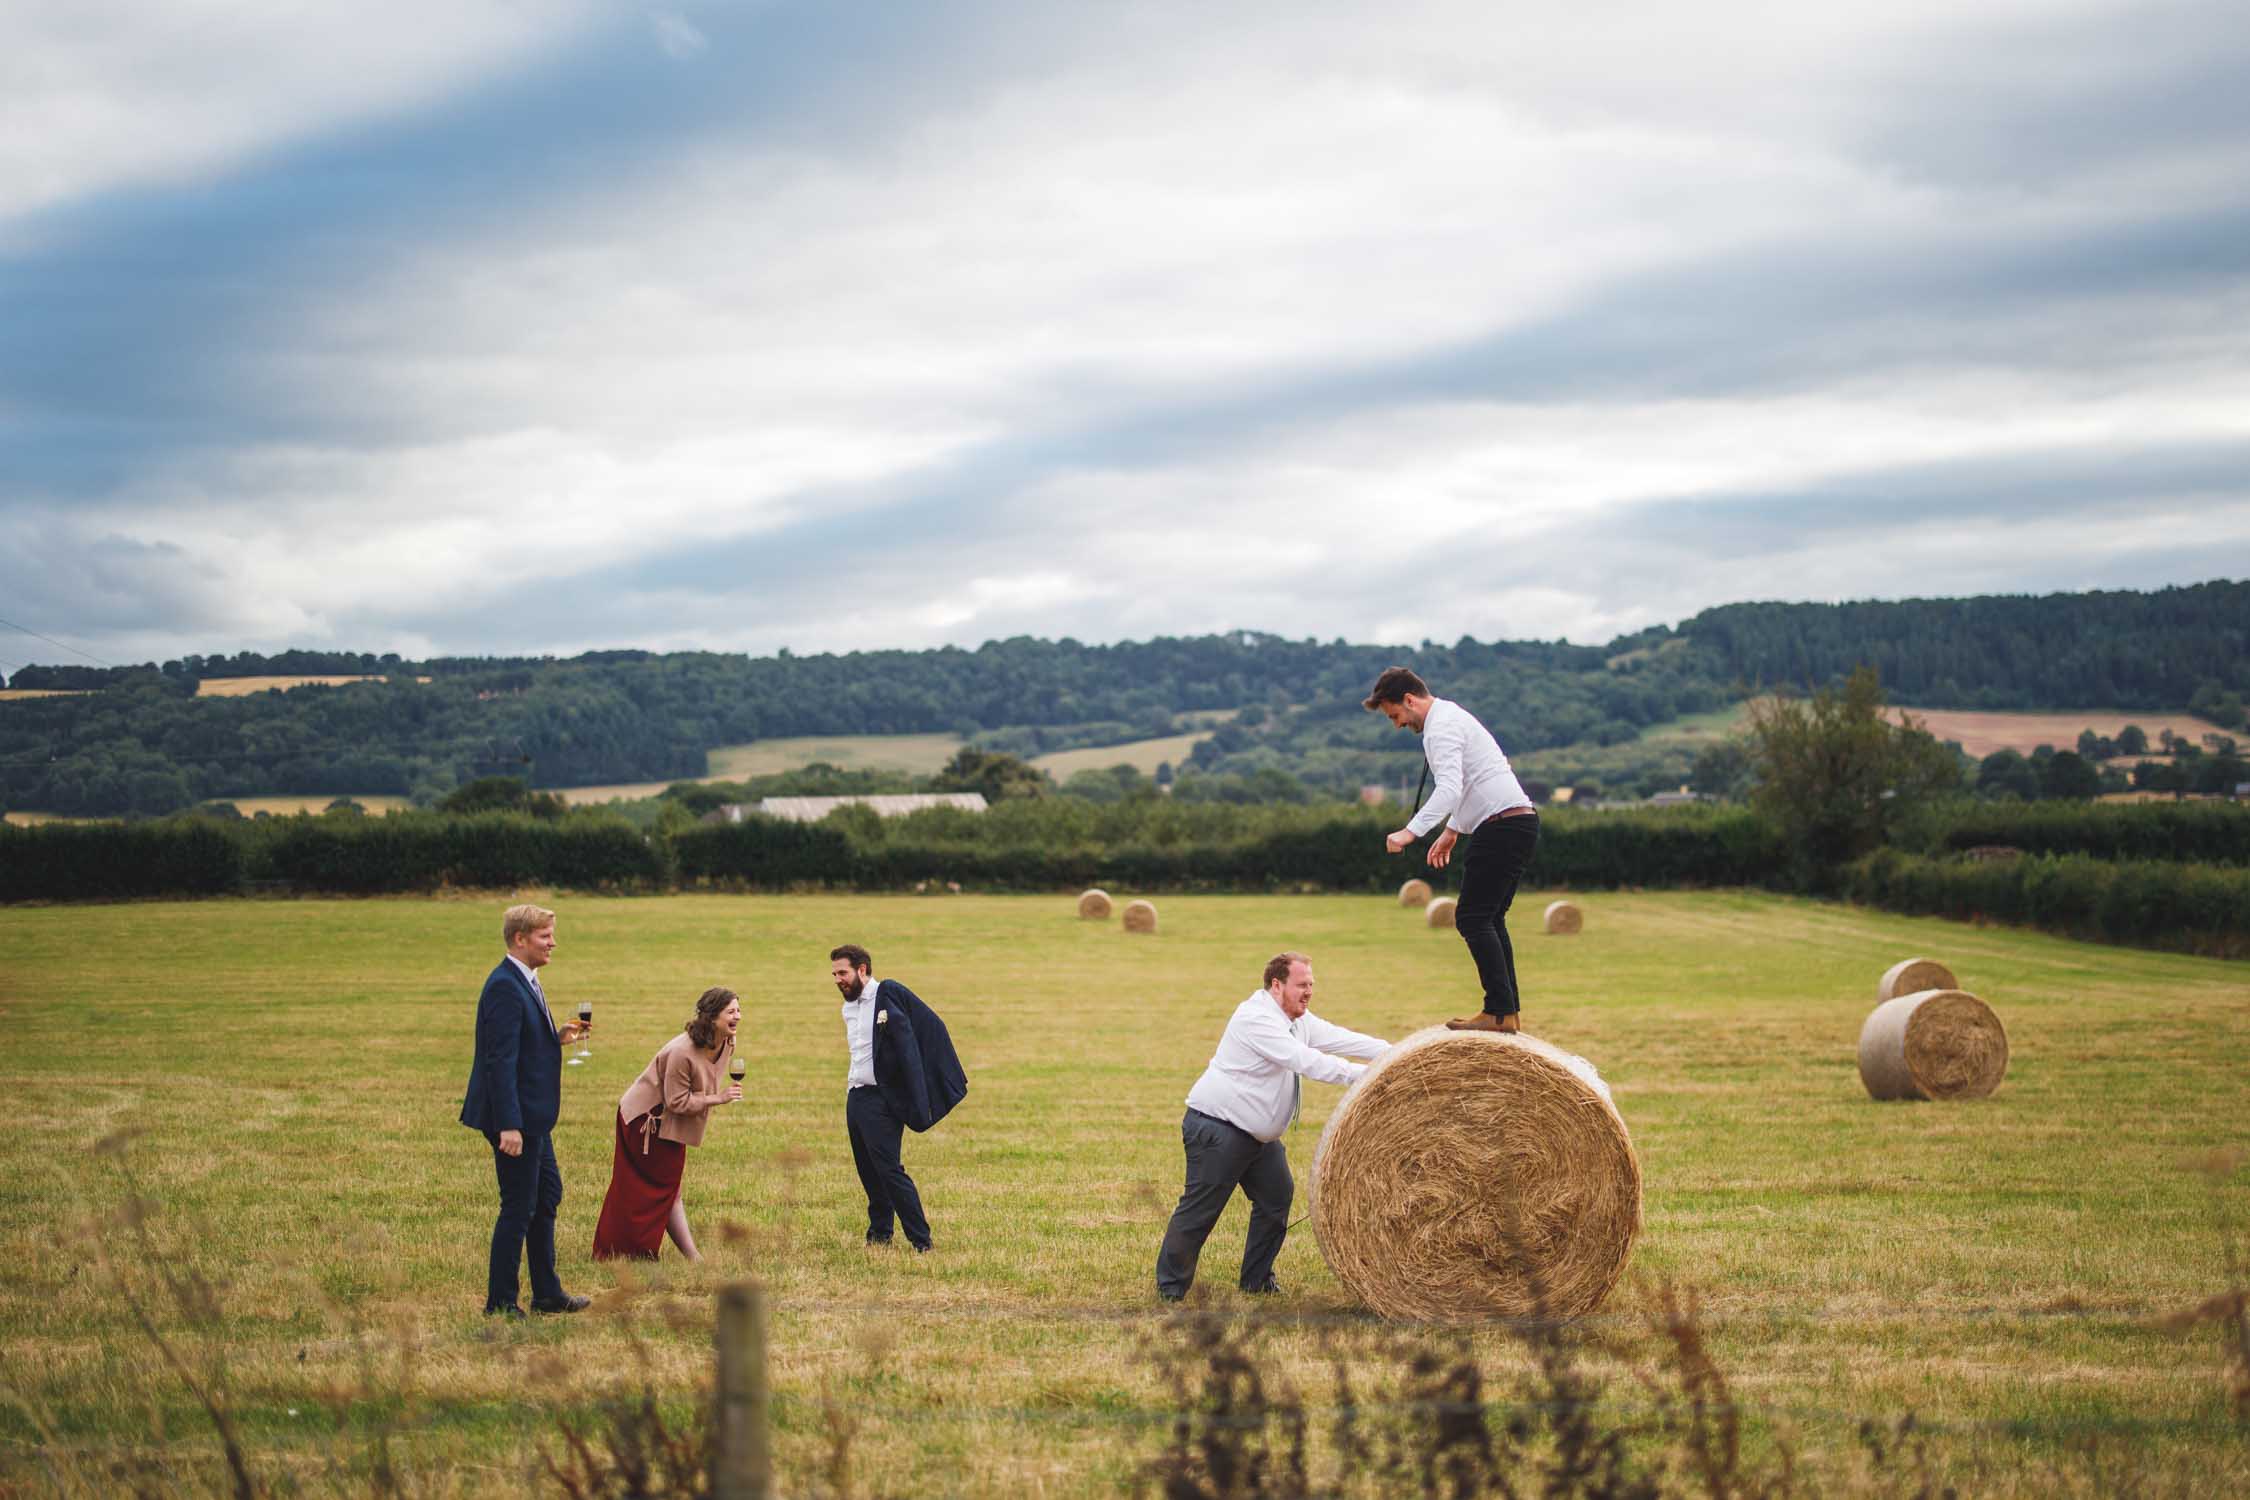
x=1272, y=1288
x=565, y=1303
x=511, y=1312
x=924, y=1248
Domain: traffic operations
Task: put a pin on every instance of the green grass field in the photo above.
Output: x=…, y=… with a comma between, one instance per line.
x=292, y=1070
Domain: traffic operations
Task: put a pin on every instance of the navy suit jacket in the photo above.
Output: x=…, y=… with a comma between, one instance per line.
x=516, y=1081
x=915, y=1066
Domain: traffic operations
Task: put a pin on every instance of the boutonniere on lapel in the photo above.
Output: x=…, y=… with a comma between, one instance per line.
x=882, y=1018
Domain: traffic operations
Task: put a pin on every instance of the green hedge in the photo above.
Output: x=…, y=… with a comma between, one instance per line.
x=107, y=861
x=423, y=851
x=2212, y=833
x=2147, y=903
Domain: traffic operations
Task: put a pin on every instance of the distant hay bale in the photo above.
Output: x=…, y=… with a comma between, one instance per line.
x=1415, y=893
x=1140, y=916
x=1911, y=976
x=1439, y=913
x=1934, y=1044
x=1564, y=917
x=1474, y=1175
x=1094, y=904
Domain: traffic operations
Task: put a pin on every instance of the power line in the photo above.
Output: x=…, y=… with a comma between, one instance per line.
x=67, y=646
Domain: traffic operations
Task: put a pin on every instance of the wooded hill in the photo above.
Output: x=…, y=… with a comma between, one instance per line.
x=143, y=742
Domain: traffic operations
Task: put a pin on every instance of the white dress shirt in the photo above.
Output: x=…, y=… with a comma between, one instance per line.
x=1472, y=776
x=1251, y=1082
x=531, y=977
x=859, y=1033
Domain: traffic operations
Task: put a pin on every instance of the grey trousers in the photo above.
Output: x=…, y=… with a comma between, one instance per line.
x=1221, y=1157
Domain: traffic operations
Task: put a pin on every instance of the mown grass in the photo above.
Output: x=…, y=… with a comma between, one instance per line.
x=293, y=1069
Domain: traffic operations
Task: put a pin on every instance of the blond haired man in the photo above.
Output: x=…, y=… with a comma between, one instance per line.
x=514, y=1099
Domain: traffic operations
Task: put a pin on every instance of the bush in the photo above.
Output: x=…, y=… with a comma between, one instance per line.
x=2215, y=833
x=184, y=856
x=2147, y=903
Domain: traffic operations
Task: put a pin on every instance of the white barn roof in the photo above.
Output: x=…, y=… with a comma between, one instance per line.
x=813, y=809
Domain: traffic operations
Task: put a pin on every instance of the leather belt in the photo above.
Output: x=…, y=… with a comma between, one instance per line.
x=1513, y=812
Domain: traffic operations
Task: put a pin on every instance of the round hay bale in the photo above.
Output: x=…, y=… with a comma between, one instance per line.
x=1911, y=976
x=1094, y=904
x=1439, y=913
x=1473, y=1175
x=1140, y=916
x=1936, y=1044
x=1415, y=893
x=1564, y=917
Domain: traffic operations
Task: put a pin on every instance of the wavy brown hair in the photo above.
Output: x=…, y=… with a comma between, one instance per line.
x=703, y=1026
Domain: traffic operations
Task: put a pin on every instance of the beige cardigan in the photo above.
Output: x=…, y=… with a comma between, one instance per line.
x=686, y=1082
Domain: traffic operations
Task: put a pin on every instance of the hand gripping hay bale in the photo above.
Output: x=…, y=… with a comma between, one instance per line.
x=1415, y=893
x=1473, y=1175
x=1564, y=917
x=1140, y=916
x=1439, y=913
x=1094, y=904
x=1911, y=976
x=1938, y=1044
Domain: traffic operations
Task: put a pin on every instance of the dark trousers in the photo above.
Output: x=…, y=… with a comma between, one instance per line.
x=876, y=1134
x=1498, y=852
x=530, y=1192
x=1221, y=1157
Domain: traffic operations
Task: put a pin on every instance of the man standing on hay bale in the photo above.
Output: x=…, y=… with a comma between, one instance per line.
x=1477, y=795
x=1236, y=1112
x=903, y=1073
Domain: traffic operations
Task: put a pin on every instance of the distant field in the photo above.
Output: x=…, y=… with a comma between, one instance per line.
x=29, y=819
x=1141, y=755
x=915, y=754
x=1715, y=725
x=10, y=695
x=282, y=806
x=1982, y=733
x=1998, y=1268
x=243, y=687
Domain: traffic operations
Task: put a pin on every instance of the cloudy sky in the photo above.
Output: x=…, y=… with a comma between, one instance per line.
x=540, y=325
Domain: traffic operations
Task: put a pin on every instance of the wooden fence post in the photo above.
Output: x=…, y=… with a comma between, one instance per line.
x=741, y=1460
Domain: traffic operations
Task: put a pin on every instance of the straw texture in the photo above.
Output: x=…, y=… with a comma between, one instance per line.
x=1094, y=905
x=1439, y=913
x=1473, y=1175
x=1140, y=916
x=1911, y=976
x=1938, y=1044
x=1415, y=893
x=1564, y=917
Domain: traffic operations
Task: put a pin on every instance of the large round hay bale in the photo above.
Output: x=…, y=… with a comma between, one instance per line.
x=1140, y=916
x=1475, y=1175
x=1564, y=917
x=1415, y=893
x=1911, y=976
x=1094, y=904
x=1937, y=1044
x=1439, y=913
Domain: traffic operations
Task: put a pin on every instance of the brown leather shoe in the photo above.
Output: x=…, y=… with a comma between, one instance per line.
x=1485, y=1021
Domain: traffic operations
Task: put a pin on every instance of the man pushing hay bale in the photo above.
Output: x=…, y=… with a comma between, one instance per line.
x=1415, y=893
x=1911, y=976
x=1093, y=905
x=1564, y=918
x=1474, y=1175
x=1439, y=913
x=1140, y=916
x=1938, y=1044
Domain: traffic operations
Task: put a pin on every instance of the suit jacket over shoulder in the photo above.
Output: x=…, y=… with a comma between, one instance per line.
x=915, y=1065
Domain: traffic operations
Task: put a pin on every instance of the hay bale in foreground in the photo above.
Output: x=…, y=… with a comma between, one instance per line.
x=1911, y=976
x=1938, y=1044
x=1415, y=893
x=1474, y=1175
x=1564, y=917
x=1140, y=916
x=1439, y=913
x=1094, y=904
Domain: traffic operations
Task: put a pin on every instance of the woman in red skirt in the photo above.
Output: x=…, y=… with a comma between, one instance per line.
x=661, y=1115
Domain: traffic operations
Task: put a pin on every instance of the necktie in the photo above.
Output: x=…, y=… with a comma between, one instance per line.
x=1296, y=1096
x=541, y=991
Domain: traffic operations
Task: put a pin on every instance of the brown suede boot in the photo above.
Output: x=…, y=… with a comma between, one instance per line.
x=1486, y=1021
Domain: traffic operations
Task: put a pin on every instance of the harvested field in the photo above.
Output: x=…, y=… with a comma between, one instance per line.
x=1982, y=733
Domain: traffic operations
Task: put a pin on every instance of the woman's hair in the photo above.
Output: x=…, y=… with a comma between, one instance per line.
x=703, y=1026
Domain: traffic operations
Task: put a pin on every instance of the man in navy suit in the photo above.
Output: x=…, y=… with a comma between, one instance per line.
x=903, y=1074
x=515, y=1097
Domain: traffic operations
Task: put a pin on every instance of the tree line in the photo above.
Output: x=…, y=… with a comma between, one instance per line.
x=143, y=743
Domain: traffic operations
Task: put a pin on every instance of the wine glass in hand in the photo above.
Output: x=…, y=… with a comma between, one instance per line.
x=736, y=1068
x=586, y=1018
